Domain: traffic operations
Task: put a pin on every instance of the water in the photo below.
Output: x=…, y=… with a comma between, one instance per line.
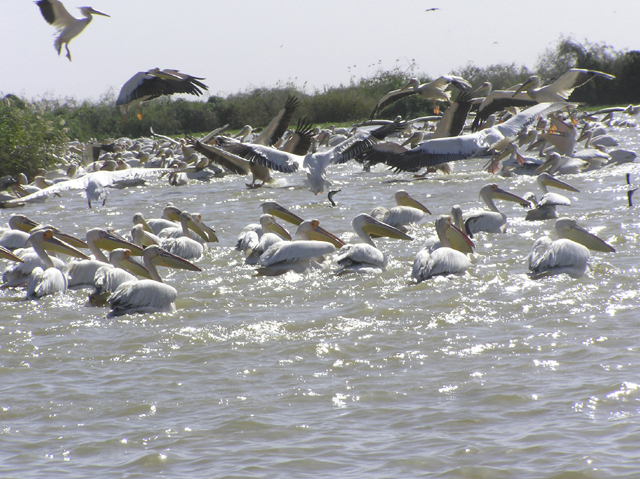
x=487, y=375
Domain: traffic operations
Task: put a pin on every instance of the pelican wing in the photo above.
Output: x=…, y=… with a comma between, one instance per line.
x=230, y=161
x=555, y=257
x=392, y=97
x=54, y=13
x=358, y=143
x=573, y=79
x=403, y=215
x=266, y=156
x=279, y=124
x=155, y=83
x=453, y=120
x=142, y=296
x=553, y=199
x=499, y=100
x=360, y=253
x=442, y=261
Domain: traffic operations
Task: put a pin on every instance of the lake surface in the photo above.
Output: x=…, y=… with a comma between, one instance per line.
x=490, y=374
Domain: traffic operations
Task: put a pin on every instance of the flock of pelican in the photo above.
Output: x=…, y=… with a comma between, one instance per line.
x=548, y=126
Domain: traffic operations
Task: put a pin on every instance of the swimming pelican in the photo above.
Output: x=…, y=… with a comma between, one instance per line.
x=408, y=211
x=81, y=273
x=149, y=295
x=490, y=221
x=366, y=257
x=441, y=258
x=569, y=254
x=434, y=90
x=431, y=153
x=120, y=269
x=297, y=256
x=69, y=27
x=561, y=89
x=250, y=236
x=312, y=231
x=183, y=245
x=48, y=279
x=145, y=86
x=545, y=208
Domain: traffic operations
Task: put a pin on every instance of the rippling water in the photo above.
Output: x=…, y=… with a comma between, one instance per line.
x=487, y=375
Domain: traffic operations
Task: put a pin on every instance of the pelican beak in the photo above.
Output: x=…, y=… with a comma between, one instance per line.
x=96, y=12
x=68, y=239
x=53, y=244
x=6, y=254
x=110, y=241
x=556, y=183
x=318, y=233
x=172, y=261
x=501, y=194
x=274, y=209
x=580, y=235
x=19, y=189
x=459, y=240
x=522, y=87
x=147, y=240
x=208, y=233
x=373, y=227
x=279, y=230
x=133, y=266
x=197, y=229
x=506, y=152
x=138, y=219
x=409, y=201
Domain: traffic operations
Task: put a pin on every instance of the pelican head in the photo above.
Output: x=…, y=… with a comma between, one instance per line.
x=367, y=226
x=311, y=230
x=404, y=199
x=88, y=11
x=490, y=192
x=545, y=179
x=451, y=236
x=275, y=209
x=67, y=238
x=109, y=241
x=159, y=257
x=22, y=223
x=568, y=228
x=45, y=238
x=122, y=257
x=532, y=82
x=171, y=213
x=269, y=224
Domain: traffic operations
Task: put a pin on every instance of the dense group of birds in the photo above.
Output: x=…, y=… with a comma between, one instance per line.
x=502, y=126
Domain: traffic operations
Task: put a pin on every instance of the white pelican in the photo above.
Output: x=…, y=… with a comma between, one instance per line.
x=561, y=89
x=312, y=231
x=432, y=153
x=408, y=211
x=434, y=90
x=366, y=257
x=441, y=258
x=556, y=164
x=296, y=256
x=120, y=269
x=149, y=295
x=81, y=273
x=145, y=86
x=276, y=209
x=48, y=279
x=314, y=164
x=183, y=245
x=69, y=27
x=569, y=254
x=545, y=208
x=490, y=221
x=497, y=101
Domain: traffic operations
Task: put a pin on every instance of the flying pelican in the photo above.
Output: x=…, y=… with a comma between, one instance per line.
x=120, y=269
x=48, y=279
x=569, y=254
x=432, y=153
x=545, y=208
x=561, y=89
x=69, y=27
x=490, y=221
x=145, y=86
x=441, y=258
x=366, y=257
x=314, y=163
x=434, y=90
x=149, y=295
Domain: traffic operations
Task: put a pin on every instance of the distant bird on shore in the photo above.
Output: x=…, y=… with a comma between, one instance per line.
x=145, y=86
x=69, y=27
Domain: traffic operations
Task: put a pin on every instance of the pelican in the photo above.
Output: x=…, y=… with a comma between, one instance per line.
x=120, y=269
x=145, y=86
x=569, y=254
x=312, y=231
x=48, y=279
x=69, y=27
x=441, y=258
x=276, y=209
x=561, y=89
x=149, y=295
x=434, y=90
x=250, y=236
x=432, y=153
x=545, y=208
x=314, y=163
x=183, y=245
x=408, y=211
x=490, y=221
x=366, y=257
x=81, y=273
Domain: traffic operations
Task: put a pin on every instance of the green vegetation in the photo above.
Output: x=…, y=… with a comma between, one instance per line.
x=32, y=133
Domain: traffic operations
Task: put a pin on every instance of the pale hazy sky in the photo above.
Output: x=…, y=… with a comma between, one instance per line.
x=243, y=44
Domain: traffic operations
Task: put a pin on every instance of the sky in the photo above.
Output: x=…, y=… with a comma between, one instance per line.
x=245, y=44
